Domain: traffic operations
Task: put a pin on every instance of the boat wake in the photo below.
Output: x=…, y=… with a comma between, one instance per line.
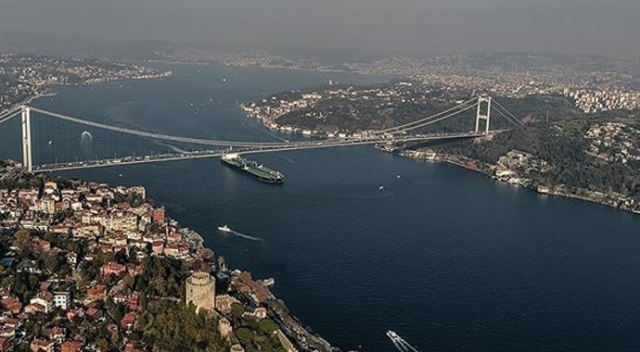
x=400, y=343
x=287, y=159
x=242, y=235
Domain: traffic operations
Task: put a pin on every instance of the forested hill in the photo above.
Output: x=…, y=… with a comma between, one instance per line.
x=353, y=109
x=576, y=157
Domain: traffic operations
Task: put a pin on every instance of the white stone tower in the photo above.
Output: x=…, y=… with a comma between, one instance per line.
x=201, y=290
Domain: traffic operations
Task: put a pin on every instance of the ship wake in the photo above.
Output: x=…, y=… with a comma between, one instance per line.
x=242, y=235
x=401, y=344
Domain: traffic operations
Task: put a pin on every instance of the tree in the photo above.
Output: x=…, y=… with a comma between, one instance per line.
x=267, y=326
x=121, y=256
x=53, y=262
x=237, y=310
x=168, y=326
x=23, y=241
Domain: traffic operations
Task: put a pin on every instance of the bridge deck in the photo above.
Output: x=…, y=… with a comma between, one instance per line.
x=318, y=144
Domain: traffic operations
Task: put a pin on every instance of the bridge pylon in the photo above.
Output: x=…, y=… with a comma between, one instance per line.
x=483, y=115
x=27, y=162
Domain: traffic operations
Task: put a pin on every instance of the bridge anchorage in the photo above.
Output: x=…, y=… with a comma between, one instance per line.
x=101, y=157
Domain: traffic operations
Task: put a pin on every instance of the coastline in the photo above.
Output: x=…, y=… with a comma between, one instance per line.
x=266, y=67
x=52, y=92
x=555, y=190
x=36, y=97
x=292, y=331
x=178, y=243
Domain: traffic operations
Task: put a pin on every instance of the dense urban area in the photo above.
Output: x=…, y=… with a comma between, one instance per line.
x=594, y=84
x=88, y=267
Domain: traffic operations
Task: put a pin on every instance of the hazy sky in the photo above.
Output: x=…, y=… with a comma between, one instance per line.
x=606, y=27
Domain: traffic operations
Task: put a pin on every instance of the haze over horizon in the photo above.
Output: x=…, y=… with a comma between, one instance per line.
x=331, y=26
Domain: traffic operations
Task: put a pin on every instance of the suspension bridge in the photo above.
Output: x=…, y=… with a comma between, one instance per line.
x=88, y=133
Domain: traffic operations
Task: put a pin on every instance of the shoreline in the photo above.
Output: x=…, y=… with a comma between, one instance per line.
x=266, y=67
x=539, y=189
x=90, y=82
x=188, y=247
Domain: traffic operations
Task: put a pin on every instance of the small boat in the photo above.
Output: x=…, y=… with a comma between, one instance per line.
x=270, y=281
x=392, y=335
x=381, y=187
x=224, y=228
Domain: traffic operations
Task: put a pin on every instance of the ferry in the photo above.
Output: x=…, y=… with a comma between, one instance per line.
x=224, y=228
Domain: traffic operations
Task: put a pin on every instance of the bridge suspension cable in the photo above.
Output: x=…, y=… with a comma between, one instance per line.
x=512, y=118
x=438, y=119
x=9, y=114
x=425, y=119
x=243, y=147
x=508, y=118
x=159, y=136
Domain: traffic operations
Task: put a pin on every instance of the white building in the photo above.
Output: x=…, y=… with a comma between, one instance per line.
x=44, y=299
x=61, y=299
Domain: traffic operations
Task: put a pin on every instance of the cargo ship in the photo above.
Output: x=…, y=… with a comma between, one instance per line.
x=258, y=171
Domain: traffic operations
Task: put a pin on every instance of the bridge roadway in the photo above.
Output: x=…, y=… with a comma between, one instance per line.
x=316, y=144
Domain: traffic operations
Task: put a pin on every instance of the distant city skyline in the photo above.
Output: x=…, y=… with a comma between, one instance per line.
x=334, y=26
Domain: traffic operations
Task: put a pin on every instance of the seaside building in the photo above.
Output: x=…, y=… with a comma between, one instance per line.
x=201, y=290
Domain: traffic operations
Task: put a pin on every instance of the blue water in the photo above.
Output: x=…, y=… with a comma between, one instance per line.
x=449, y=259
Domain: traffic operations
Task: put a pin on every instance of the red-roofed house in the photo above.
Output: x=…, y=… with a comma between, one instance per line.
x=158, y=247
x=7, y=333
x=71, y=346
x=97, y=293
x=94, y=313
x=72, y=314
x=174, y=237
x=55, y=334
x=13, y=323
x=13, y=305
x=135, y=270
x=112, y=268
x=133, y=302
x=158, y=215
x=44, y=286
x=128, y=320
x=44, y=299
x=37, y=345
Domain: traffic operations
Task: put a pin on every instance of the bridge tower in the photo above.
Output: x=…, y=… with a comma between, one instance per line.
x=26, y=138
x=486, y=115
